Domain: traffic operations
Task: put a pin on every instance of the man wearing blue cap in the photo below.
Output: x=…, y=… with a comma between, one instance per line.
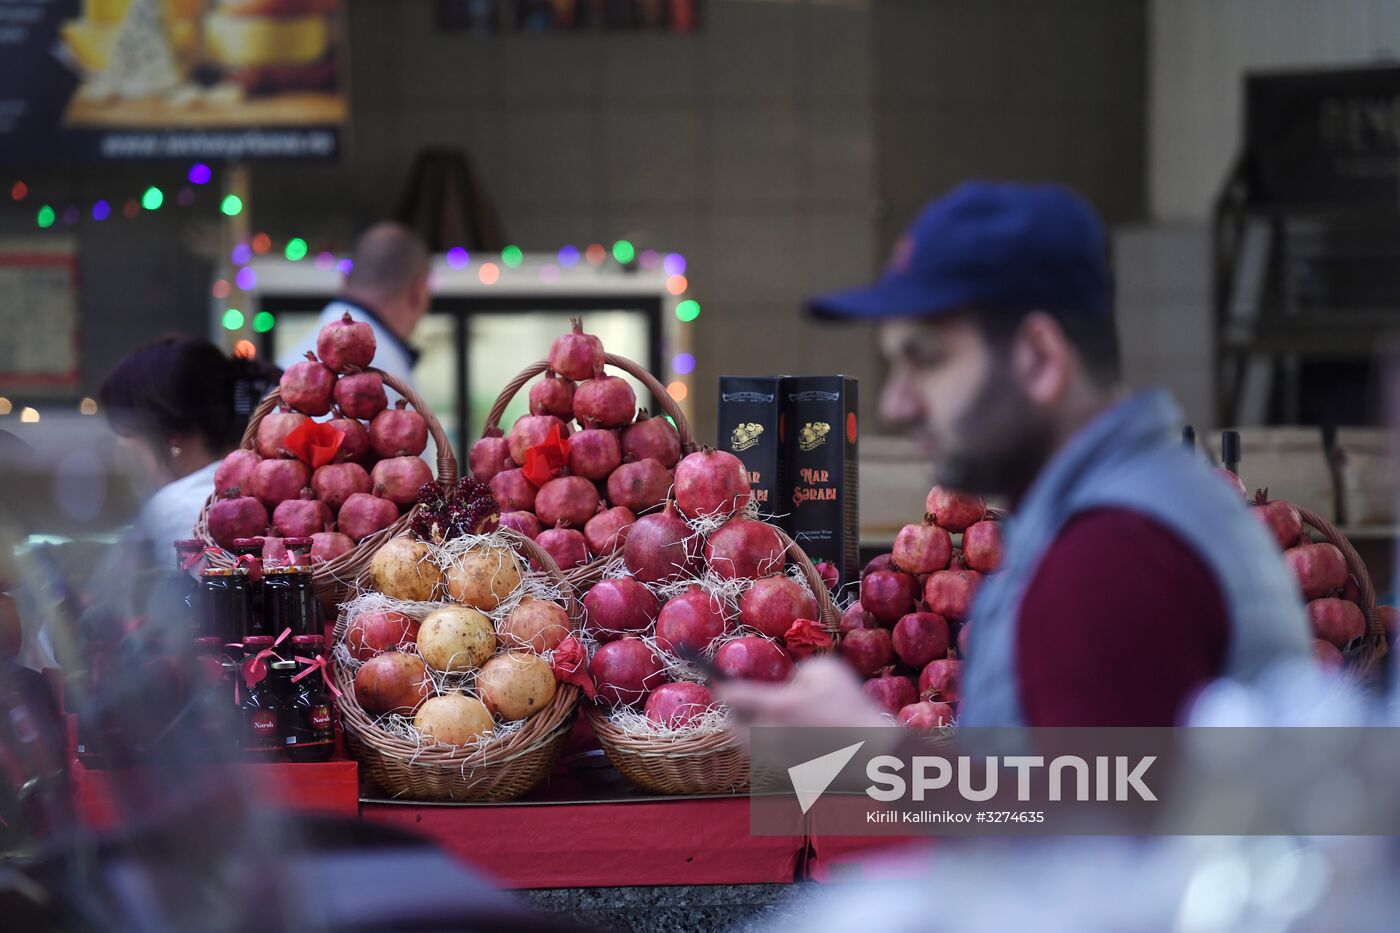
x=1132, y=576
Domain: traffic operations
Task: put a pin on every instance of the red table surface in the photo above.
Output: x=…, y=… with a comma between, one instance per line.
x=600, y=844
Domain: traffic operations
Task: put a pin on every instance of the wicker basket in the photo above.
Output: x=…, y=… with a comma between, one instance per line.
x=658, y=391
x=504, y=771
x=1362, y=661
x=713, y=763
x=334, y=580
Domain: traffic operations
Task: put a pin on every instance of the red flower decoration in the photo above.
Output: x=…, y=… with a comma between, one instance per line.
x=314, y=443
x=570, y=666
x=545, y=461
x=806, y=637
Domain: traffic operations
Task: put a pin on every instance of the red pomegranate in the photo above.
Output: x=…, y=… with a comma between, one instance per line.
x=276, y=481
x=576, y=355
x=868, y=650
x=922, y=548
x=524, y=523
x=604, y=402
x=235, y=516
x=926, y=715
x=532, y=431
x=690, y=622
x=569, y=501
x=856, y=617
x=890, y=691
x=1336, y=620
x=273, y=431
x=398, y=432
x=301, y=517
x=660, y=546
x=653, y=438
x=346, y=344
x=639, y=486
x=336, y=482
x=308, y=386
x=594, y=453
x=565, y=545
x=553, y=396
x=365, y=513
x=950, y=593
x=982, y=546
x=401, y=477
x=952, y=510
x=513, y=491
x=744, y=548
x=1318, y=568
x=941, y=680
x=625, y=671
x=490, y=455
x=355, y=447
x=361, y=395
x=607, y=531
x=919, y=638
x=677, y=704
x=619, y=606
x=1283, y=520
x=888, y=595
x=710, y=483
x=236, y=469
x=750, y=657
x=772, y=604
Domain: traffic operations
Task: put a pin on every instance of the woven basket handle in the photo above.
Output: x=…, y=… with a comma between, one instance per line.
x=1375, y=643
x=663, y=398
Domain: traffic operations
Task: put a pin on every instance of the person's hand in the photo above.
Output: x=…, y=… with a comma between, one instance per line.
x=822, y=692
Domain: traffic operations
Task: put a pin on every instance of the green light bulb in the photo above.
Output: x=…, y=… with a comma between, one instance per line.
x=152, y=198
x=233, y=319
x=296, y=249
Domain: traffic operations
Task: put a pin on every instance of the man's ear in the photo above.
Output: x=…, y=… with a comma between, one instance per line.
x=1042, y=359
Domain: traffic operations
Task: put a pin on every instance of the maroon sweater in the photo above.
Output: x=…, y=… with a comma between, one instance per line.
x=1121, y=625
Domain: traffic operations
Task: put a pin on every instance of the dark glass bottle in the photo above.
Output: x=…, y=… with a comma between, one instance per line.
x=309, y=715
x=260, y=737
x=249, y=552
x=287, y=600
x=223, y=604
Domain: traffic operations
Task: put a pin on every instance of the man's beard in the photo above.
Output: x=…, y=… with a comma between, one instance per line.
x=1001, y=442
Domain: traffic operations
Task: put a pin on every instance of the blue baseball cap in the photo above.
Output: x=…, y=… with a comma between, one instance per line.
x=989, y=246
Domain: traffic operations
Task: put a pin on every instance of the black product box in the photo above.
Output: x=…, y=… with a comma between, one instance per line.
x=822, y=489
x=749, y=428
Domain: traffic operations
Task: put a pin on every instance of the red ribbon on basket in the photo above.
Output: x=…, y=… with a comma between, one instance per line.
x=313, y=664
x=805, y=637
x=314, y=443
x=570, y=666
x=544, y=461
x=255, y=668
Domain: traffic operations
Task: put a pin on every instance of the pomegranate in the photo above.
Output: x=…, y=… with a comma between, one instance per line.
x=963, y=638
x=565, y=545
x=744, y=548
x=882, y=562
x=919, y=638
x=308, y=386
x=639, y=486
x=594, y=453
x=750, y=657
x=625, y=671
x=675, y=705
x=398, y=432
x=1318, y=568
x=1283, y=520
x=537, y=624
x=941, y=680
x=346, y=344
x=604, y=401
x=364, y=513
x=1336, y=620
x=689, y=622
x=303, y=517
x=576, y=355
x=711, y=483
x=856, y=617
x=273, y=431
x=532, y=431
x=236, y=516
x=524, y=523
x=982, y=546
x=954, y=511
x=619, y=606
x=336, y=482
x=830, y=577
x=236, y=469
x=922, y=548
x=1233, y=482
x=867, y=650
x=888, y=595
x=276, y=481
x=660, y=546
x=361, y=395
x=607, y=531
x=651, y=438
x=490, y=455
x=401, y=477
x=328, y=545
x=925, y=714
x=772, y=604
x=1327, y=654
x=513, y=491
x=569, y=501
x=950, y=592
x=392, y=682
x=1351, y=592
x=1389, y=619
x=355, y=447
x=553, y=396
x=890, y=691
x=370, y=633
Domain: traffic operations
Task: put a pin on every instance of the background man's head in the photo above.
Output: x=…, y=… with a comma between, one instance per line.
x=997, y=327
x=389, y=274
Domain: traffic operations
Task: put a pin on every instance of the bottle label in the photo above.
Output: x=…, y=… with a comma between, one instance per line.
x=321, y=717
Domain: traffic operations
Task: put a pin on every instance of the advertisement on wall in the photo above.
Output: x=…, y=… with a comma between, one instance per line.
x=171, y=79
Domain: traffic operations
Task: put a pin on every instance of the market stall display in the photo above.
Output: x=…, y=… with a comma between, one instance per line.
x=349, y=481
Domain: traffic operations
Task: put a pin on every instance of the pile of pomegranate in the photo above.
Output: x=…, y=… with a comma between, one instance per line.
x=455, y=638
x=702, y=579
x=335, y=460
x=574, y=473
x=1332, y=592
x=907, y=632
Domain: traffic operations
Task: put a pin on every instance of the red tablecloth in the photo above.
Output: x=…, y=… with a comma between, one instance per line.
x=650, y=842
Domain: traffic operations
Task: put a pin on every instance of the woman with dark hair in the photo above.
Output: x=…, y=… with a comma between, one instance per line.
x=179, y=405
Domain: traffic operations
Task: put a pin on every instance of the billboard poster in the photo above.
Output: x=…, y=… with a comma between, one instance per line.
x=171, y=79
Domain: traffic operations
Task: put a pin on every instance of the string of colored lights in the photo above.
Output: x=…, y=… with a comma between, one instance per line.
x=296, y=249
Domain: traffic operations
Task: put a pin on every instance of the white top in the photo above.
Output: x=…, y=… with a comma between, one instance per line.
x=171, y=513
x=389, y=352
